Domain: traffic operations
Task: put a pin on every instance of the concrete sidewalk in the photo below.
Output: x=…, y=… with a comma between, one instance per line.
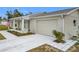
x=25, y=43
x=8, y=35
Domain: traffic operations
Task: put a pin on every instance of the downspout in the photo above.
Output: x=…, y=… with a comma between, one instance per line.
x=28, y=25
x=62, y=16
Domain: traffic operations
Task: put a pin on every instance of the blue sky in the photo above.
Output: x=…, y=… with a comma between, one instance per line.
x=26, y=10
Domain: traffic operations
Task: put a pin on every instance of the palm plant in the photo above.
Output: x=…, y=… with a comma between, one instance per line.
x=13, y=14
x=17, y=13
x=59, y=36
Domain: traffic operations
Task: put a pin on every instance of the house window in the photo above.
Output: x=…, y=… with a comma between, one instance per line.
x=74, y=22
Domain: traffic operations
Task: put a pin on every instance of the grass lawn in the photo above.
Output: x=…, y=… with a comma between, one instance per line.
x=3, y=27
x=2, y=37
x=20, y=34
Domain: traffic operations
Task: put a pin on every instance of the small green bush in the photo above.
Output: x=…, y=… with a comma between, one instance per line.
x=59, y=36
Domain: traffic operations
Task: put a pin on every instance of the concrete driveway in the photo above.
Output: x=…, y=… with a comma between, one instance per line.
x=25, y=43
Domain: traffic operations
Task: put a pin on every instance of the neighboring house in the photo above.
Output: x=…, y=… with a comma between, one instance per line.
x=5, y=22
x=66, y=21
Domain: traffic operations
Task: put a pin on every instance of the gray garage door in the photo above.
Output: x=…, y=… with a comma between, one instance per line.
x=46, y=27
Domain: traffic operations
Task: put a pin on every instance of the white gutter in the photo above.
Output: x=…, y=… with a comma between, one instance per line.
x=72, y=11
x=21, y=17
x=48, y=16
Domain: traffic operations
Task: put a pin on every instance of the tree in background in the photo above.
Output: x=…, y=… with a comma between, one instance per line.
x=13, y=14
x=9, y=14
x=4, y=18
x=17, y=13
x=30, y=12
x=1, y=19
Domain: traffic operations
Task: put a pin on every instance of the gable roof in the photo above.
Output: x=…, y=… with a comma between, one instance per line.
x=62, y=11
x=65, y=11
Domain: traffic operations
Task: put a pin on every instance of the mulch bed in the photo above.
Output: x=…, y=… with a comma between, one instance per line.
x=44, y=48
x=74, y=48
x=20, y=34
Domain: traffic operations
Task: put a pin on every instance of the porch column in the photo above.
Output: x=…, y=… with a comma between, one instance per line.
x=13, y=24
x=22, y=28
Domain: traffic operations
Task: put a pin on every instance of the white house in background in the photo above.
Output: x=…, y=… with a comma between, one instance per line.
x=66, y=21
x=4, y=22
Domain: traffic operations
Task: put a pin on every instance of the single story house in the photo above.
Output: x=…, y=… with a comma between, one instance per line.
x=66, y=21
x=4, y=22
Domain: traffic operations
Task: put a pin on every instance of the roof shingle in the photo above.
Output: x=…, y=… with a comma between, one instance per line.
x=53, y=13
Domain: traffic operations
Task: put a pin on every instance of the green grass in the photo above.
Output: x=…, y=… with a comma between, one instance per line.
x=20, y=34
x=3, y=27
x=2, y=37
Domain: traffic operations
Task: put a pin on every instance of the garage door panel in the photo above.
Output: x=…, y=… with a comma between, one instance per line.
x=46, y=26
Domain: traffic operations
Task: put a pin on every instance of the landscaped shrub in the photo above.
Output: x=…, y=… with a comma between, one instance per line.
x=74, y=37
x=59, y=36
x=78, y=34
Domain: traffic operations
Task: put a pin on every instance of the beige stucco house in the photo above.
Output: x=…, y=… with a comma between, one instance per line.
x=66, y=21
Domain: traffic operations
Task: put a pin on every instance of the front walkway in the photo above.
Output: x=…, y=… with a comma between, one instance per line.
x=8, y=35
x=25, y=43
